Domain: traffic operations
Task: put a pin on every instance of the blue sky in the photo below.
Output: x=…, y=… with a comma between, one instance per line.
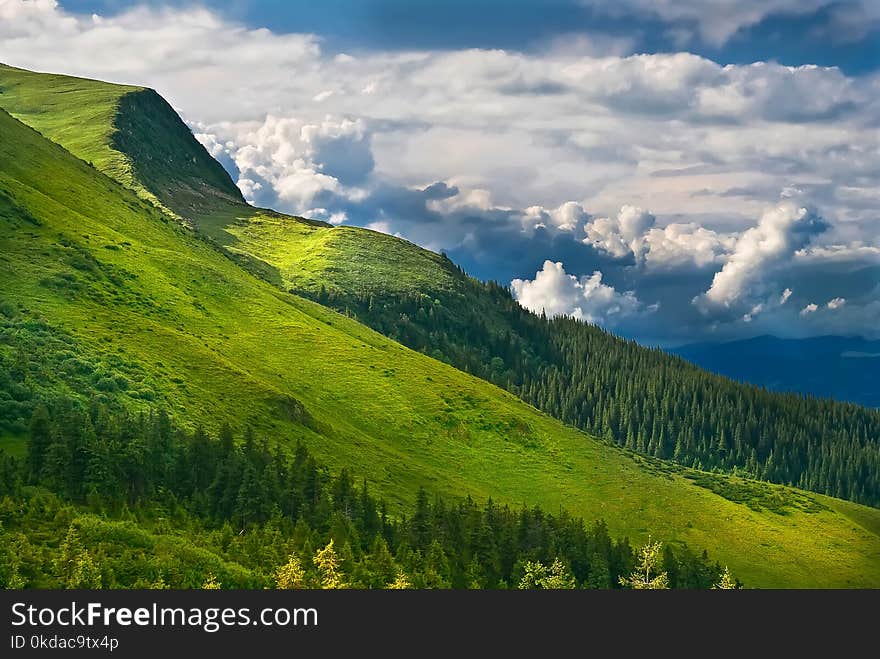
x=675, y=170
x=817, y=35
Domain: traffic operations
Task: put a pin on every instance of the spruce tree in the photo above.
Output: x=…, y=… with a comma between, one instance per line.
x=648, y=574
x=40, y=437
x=329, y=568
x=291, y=575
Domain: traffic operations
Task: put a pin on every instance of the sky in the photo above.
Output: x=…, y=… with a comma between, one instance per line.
x=673, y=170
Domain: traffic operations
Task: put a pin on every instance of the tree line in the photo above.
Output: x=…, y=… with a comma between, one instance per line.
x=642, y=398
x=287, y=520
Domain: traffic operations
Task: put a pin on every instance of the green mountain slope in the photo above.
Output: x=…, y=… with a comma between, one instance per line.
x=104, y=295
x=649, y=401
x=129, y=133
x=644, y=399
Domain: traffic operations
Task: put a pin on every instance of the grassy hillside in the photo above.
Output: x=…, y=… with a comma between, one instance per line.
x=647, y=400
x=129, y=133
x=104, y=295
x=419, y=298
x=307, y=255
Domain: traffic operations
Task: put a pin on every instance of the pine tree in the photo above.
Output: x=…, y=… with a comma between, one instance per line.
x=329, y=568
x=421, y=521
x=15, y=581
x=291, y=575
x=87, y=574
x=39, y=441
x=600, y=574
x=379, y=564
x=250, y=504
x=158, y=584
x=559, y=577
x=473, y=576
x=10, y=563
x=537, y=576
x=401, y=582
x=74, y=566
x=727, y=581
x=436, y=573
x=647, y=575
x=534, y=573
x=97, y=480
x=211, y=582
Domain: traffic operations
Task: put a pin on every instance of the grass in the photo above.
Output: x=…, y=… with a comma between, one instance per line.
x=132, y=292
x=133, y=136
x=129, y=133
x=306, y=254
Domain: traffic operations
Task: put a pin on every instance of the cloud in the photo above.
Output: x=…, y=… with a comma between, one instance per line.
x=569, y=216
x=632, y=234
x=285, y=161
x=843, y=317
x=684, y=244
x=537, y=129
x=758, y=253
x=755, y=310
x=382, y=227
x=786, y=294
x=556, y=293
x=622, y=235
x=650, y=169
x=717, y=21
x=863, y=319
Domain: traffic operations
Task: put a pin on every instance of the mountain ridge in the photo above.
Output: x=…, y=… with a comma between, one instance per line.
x=109, y=125
x=107, y=298
x=652, y=404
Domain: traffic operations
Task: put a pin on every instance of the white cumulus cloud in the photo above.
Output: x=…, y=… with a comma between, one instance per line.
x=556, y=293
x=633, y=233
x=536, y=129
x=569, y=216
x=288, y=161
x=660, y=161
x=621, y=235
x=759, y=252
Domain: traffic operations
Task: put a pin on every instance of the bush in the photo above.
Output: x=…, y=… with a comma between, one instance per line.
x=107, y=384
x=7, y=309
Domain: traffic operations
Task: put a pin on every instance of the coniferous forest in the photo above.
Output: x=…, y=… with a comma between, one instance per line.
x=175, y=413
x=644, y=399
x=236, y=512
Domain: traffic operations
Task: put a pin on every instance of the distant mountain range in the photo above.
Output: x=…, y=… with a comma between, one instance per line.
x=839, y=367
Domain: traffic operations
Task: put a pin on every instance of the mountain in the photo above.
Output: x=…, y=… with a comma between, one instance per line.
x=129, y=133
x=637, y=397
x=107, y=298
x=843, y=368
x=641, y=398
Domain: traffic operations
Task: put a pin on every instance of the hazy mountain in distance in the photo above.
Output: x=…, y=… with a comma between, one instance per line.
x=839, y=367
